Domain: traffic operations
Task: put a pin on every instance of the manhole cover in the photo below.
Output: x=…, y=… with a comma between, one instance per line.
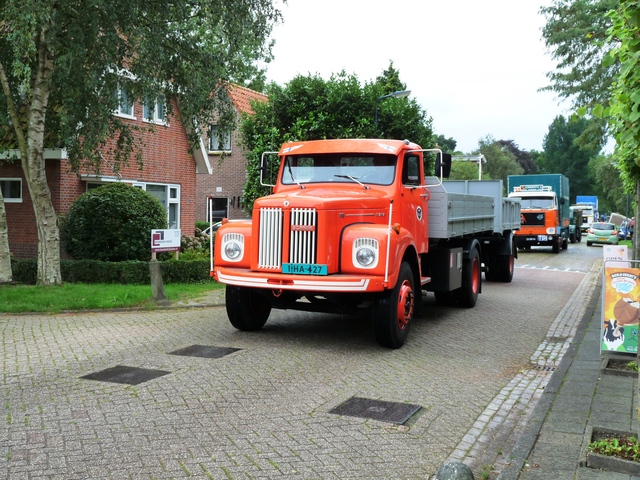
x=124, y=374
x=204, y=351
x=393, y=412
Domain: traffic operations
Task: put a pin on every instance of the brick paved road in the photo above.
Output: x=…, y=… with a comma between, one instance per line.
x=263, y=410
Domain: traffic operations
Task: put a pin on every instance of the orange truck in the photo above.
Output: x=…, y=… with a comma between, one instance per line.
x=546, y=217
x=357, y=225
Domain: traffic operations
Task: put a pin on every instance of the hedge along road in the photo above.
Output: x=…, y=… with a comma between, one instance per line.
x=260, y=405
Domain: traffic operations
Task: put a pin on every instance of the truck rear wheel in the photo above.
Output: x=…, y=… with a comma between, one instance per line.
x=247, y=310
x=467, y=294
x=506, y=264
x=393, y=311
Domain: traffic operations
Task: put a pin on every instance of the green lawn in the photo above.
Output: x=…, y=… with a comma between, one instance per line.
x=81, y=296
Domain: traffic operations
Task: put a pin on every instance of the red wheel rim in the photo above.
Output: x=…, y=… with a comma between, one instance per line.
x=405, y=304
x=475, y=275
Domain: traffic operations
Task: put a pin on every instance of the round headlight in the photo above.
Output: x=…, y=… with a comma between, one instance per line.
x=232, y=250
x=365, y=256
x=551, y=231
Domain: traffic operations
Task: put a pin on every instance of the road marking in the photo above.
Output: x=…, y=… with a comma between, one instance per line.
x=552, y=269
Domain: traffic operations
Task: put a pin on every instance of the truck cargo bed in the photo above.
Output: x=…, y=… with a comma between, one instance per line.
x=463, y=207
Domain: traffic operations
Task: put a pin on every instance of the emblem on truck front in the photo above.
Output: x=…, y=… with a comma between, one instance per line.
x=303, y=228
x=419, y=213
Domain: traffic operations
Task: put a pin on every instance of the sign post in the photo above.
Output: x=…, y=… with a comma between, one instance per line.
x=161, y=241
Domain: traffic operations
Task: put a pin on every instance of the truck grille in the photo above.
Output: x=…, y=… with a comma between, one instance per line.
x=532, y=219
x=270, y=253
x=302, y=241
x=302, y=237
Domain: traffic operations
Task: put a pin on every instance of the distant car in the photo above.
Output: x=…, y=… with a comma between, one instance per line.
x=603, y=233
x=212, y=228
x=624, y=232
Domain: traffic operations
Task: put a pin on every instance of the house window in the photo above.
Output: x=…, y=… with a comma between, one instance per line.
x=217, y=209
x=219, y=140
x=11, y=189
x=168, y=195
x=155, y=111
x=125, y=105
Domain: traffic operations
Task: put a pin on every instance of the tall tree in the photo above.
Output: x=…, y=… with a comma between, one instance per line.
x=310, y=108
x=576, y=36
x=446, y=144
x=61, y=61
x=501, y=162
x=564, y=154
x=522, y=156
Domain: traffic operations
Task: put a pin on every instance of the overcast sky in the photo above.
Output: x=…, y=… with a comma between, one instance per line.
x=474, y=66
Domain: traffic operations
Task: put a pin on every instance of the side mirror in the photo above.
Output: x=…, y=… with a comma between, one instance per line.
x=443, y=165
x=562, y=201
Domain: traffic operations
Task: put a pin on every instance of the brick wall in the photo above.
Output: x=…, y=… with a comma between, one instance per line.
x=166, y=160
x=226, y=181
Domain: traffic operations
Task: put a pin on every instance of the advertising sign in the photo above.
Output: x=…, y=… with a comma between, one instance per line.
x=620, y=307
x=165, y=240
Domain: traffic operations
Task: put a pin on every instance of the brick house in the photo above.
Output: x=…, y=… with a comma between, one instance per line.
x=226, y=183
x=169, y=173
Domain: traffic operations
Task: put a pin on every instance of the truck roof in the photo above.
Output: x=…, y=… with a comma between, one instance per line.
x=354, y=145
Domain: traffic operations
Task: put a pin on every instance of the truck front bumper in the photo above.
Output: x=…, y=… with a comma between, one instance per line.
x=309, y=283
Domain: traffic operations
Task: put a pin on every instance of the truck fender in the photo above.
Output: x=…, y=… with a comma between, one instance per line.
x=400, y=242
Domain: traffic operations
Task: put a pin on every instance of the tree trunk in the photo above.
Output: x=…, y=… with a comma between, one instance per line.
x=6, y=275
x=34, y=170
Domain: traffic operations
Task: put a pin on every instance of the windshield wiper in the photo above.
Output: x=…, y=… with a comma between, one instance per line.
x=366, y=187
x=292, y=177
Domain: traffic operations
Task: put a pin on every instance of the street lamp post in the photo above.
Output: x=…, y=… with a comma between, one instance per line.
x=398, y=94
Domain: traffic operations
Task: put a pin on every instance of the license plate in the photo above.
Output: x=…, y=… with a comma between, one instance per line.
x=603, y=239
x=542, y=238
x=304, y=268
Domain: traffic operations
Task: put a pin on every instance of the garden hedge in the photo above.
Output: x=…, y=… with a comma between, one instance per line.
x=128, y=272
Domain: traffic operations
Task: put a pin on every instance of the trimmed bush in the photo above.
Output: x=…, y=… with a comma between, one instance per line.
x=131, y=272
x=112, y=223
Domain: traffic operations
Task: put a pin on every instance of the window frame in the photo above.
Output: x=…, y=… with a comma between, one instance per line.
x=160, y=100
x=213, y=136
x=120, y=91
x=171, y=198
x=12, y=199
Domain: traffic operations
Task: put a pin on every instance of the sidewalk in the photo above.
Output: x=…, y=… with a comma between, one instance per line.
x=580, y=396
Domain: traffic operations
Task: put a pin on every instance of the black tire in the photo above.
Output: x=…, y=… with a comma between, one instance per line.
x=589, y=244
x=556, y=245
x=467, y=294
x=393, y=311
x=247, y=310
x=505, y=267
x=572, y=237
x=565, y=244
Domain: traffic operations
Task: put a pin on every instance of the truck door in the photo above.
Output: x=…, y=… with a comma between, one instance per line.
x=413, y=200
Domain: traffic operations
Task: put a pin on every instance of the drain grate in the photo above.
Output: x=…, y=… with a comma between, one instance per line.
x=124, y=374
x=393, y=412
x=204, y=351
x=544, y=368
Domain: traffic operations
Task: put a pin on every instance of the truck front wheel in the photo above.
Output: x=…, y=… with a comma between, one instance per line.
x=467, y=294
x=393, y=311
x=247, y=310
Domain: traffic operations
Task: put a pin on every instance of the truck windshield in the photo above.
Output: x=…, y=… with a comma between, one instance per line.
x=339, y=168
x=540, y=203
